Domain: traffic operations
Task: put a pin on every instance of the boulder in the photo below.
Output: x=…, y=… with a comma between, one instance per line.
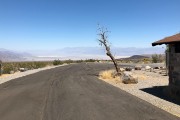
x=162, y=68
x=151, y=69
x=11, y=72
x=156, y=67
x=122, y=69
x=138, y=67
x=22, y=69
x=128, y=78
x=147, y=68
x=128, y=69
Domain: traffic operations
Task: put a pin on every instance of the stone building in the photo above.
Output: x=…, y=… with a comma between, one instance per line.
x=173, y=63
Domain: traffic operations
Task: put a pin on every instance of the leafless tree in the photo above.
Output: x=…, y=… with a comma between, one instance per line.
x=103, y=40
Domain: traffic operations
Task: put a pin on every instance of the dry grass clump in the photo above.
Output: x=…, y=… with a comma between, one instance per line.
x=109, y=75
x=141, y=77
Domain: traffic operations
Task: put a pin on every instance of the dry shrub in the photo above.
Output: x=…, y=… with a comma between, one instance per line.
x=141, y=76
x=109, y=75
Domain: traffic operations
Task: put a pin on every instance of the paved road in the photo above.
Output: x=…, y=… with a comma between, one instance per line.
x=72, y=93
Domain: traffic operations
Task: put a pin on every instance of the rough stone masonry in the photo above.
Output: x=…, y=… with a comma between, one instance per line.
x=174, y=71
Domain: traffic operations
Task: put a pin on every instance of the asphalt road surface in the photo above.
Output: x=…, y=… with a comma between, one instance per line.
x=72, y=92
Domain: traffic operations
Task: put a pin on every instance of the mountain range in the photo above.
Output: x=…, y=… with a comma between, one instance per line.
x=75, y=53
x=9, y=55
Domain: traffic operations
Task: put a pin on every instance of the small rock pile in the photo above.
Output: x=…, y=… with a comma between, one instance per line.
x=129, y=78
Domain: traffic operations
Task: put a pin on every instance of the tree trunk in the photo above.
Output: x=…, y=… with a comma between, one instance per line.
x=115, y=63
x=113, y=59
x=103, y=41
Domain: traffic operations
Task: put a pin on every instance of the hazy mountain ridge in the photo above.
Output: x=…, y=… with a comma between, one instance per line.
x=75, y=53
x=78, y=51
x=137, y=57
x=9, y=55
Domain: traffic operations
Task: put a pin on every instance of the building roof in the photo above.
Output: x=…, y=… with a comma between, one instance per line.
x=168, y=40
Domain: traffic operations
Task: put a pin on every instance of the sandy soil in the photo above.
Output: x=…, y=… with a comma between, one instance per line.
x=148, y=81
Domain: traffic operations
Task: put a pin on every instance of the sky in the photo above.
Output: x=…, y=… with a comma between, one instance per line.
x=57, y=24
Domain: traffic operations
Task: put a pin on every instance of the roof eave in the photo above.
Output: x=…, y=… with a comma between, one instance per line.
x=156, y=43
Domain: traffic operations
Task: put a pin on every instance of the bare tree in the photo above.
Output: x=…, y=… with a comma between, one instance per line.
x=103, y=40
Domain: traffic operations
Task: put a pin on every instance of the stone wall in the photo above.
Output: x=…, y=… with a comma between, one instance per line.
x=174, y=72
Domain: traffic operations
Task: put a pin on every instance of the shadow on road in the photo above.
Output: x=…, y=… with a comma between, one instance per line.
x=159, y=91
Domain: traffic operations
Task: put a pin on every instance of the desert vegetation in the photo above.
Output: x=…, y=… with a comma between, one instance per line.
x=8, y=67
x=11, y=67
x=140, y=59
x=158, y=58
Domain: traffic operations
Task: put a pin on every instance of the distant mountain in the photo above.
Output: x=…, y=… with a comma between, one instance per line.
x=8, y=55
x=138, y=57
x=76, y=53
x=84, y=51
x=134, y=57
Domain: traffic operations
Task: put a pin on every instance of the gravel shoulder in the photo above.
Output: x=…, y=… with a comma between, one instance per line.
x=148, y=81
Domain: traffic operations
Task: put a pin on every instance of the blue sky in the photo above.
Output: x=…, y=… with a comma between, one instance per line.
x=55, y=24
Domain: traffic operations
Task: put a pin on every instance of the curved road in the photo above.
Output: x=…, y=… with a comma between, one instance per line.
x=72, y=92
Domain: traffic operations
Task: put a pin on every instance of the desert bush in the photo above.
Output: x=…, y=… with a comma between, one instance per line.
x=90, y=60
x=78, y=61
x=157, y=58
x=110, y=75
x=14, y=66
x=69, y=61
x=57, y=62
x=41, y=64
x=146, y=60
x=7, y=68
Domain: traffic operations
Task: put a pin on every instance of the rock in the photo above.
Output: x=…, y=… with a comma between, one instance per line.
x=156, y=67
x=128, y=78
x=128, y=73
x=151, y=70
x=138, y=67
x=11, y=72
x=163, y=72
x=122, y=69
x=22, y=69
x=147, y=68
x=163, y=68
x=128, y=69
x=143, y=69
